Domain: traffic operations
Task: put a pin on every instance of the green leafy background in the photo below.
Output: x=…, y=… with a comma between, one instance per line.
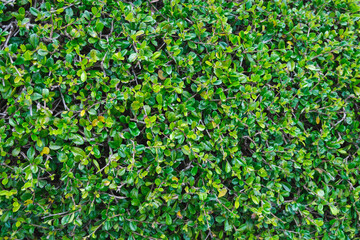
x=181, y=119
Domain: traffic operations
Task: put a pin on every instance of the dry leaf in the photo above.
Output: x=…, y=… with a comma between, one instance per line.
x=161, y=76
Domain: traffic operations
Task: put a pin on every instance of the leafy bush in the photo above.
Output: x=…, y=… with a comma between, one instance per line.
x=181, y=119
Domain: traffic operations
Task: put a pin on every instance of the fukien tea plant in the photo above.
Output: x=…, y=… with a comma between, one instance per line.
x=179, y=119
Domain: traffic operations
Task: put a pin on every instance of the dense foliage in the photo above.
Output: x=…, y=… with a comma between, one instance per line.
x=179, y=119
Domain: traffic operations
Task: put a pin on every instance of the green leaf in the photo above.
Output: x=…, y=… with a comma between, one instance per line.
x=147, y=110
x=227, y=226
x=130, y=17
x=132, y=57
x=99, y=27
x=34, y=40
x=168, y=219
x=291, y=66
x=135, y=132
x=357, y=91
x=194, y=170
x=77, y=139
x=53, y=146
x=156, y=55
x=158, y=169
x=312, y=67
x=36, y=96
x=83, y=76
x=255, y=199
x=34, y=11
x=227, y=167
x=132, y=226
x=42, y=52
x=159, y=99
x=186, y=150
x=78, y=152
x=94, y=10
x=19, y=61
x=15, y=152
x=202, y=196
x=334, y=210
x=65, y=220
x=136, y=105
x=281, y=44
x=31, y=153
x=320, y=192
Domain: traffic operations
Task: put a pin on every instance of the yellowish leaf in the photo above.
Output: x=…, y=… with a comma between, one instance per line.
x=317, y=120
x=68, y=195
x=357, y=90
x=18, y=224
x=101, y=118
x=161, y=76
x=222, y=192
x=27, y=202
x=45, y=150
x=95, y=122
x=82, y=113
x=237, y=204
x=17, y=79
x=179, y=215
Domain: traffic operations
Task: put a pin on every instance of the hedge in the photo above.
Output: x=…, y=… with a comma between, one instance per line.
x=179, y=119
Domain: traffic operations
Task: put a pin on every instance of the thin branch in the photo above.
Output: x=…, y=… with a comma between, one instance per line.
x=63, y=100
x=111, y=195
x=12, y=62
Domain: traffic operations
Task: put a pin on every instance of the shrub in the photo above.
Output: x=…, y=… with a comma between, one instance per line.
x=181, y=119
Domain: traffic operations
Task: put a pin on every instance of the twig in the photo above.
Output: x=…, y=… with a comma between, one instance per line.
x=111, y=154
x=7, y=39
x=12, y=62
x=138, y=121
x=343, y=118
x=151, y=3
x=63, y=100
x=56, y=214
x=9, y=2
x=117, y=197
x=218, y=100
x=133, y=156
x=208, y=225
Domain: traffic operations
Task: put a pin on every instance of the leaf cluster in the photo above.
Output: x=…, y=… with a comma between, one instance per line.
x=179, y=119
